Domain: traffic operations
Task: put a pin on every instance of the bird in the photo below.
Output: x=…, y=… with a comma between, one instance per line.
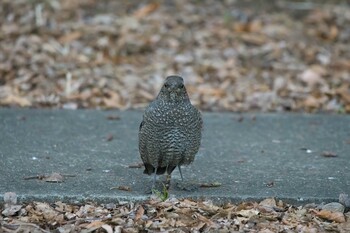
x=170, y=132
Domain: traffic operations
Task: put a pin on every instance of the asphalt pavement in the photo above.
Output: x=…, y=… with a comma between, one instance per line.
x=295, y=157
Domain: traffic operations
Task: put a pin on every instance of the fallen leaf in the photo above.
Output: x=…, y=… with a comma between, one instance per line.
x=107, y=228
x=113, y=117
x=270, y=202
x=311, y=77
x=123, y=188
x=16, y=100
x=344, y=92
x=54, y=178
x=248, y=213
x=46, y=212
x=112, y=100
x=203, y=219
x=137, y=165
x=94, y=225
x=146, y=10
x=254, y=39
x=312, y=102
x=330, y=215
x=139, y=213
x=109, y=137
x=67, y=38
x=210, y=185
x=329, y=154
x=266, y=231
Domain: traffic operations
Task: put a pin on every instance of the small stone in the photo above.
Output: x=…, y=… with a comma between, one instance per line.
x=110, y=206
x=344, y=199
x=334, y=206
x=11, y=210
x=10, y=198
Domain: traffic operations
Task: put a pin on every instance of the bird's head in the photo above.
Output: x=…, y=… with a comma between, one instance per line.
x=173, y=89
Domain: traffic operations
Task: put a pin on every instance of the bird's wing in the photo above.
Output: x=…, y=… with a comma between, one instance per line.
x=142, y=123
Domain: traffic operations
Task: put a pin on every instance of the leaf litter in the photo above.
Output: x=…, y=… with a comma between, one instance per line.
x=235, y=56
x=172, y=215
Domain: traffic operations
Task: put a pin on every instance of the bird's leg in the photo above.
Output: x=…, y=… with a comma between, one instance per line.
x=182, y=179
x=154, y=179
x=167, y=181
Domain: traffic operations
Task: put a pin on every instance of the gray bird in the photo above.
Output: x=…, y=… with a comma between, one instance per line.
x=170, y=132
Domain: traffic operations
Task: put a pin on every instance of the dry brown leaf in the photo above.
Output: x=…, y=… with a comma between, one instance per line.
x=109, y=137
x=15, y=100
x=248, y=213
x=333, y=32
x=113, y=117
x=54, y=178
x=45, y=211
x=146, y=10
x=112, y=100
x=266, y=231
x=205, y=220
x=139, y=213
x=187, y=203
x=268, y=202
x=318, y=16
x=136, y=165
x=210, y=185
x=310, y=77
x=254, y=39
x=124, y=188
x=107, y=228
x=94, y=225
x=67, y=38
x=341, y=64
x=329, y=154
x=246, y=205
x=330, y=215
x=312, y=102
x=344, y=92
x=210, y=91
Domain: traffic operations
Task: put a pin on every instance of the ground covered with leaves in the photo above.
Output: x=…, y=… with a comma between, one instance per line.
x=174, y=215
x=234, y=55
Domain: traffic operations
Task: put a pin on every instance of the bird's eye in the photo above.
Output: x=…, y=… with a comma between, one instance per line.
x=181, y=86
x=166, y=85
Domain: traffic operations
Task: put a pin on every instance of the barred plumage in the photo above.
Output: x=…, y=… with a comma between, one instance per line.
x=170, y=132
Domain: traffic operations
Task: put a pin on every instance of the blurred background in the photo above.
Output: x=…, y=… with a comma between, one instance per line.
x=234, y=55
